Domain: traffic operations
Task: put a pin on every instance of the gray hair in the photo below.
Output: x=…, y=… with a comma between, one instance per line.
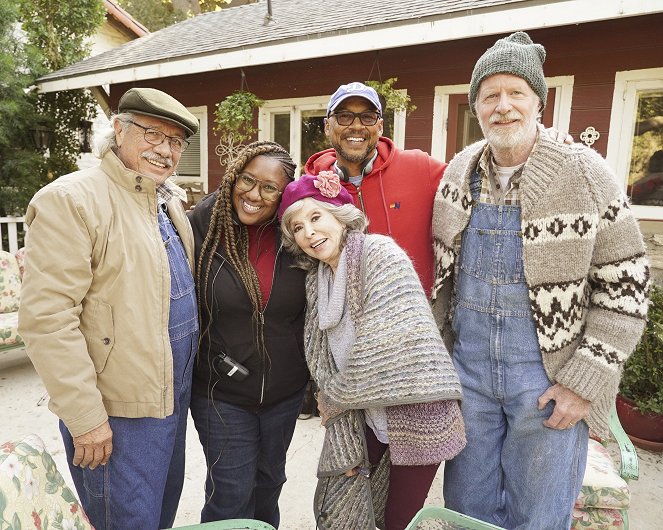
x=105, y=140
x=351, y=217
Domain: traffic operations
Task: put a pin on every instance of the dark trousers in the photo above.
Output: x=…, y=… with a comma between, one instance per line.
x=245, y=453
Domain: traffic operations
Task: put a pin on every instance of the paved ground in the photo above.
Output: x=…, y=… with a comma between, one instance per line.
x=21, y=413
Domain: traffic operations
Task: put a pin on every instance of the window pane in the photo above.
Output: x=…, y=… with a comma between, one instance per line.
x=189, y=164
x=645, y=179
x=313, y=134
x=388, y=124
x=281, y=132
x=468, y=129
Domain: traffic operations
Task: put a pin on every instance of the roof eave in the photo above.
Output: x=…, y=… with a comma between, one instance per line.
x=459, y=26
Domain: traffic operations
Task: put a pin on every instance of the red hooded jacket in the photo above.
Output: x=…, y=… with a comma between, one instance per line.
x=397, y=197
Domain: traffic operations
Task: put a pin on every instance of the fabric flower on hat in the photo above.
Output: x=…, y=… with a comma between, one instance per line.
x=328, y=183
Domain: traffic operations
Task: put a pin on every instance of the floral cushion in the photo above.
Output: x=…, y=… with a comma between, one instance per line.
x=33, y=493
x=20, y=259
x=9, y=329
x=602, y=487
x=10, y=283
x=597, y=519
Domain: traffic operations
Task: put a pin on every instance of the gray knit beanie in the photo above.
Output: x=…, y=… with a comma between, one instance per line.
x=516, y=55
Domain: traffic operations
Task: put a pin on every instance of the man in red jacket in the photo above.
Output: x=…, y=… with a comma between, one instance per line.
x=394, y=187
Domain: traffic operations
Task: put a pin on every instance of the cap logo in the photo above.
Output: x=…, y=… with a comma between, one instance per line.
x=355, y=87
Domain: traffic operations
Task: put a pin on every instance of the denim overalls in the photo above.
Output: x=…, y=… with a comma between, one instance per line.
x=514, y=472
x=140, y=487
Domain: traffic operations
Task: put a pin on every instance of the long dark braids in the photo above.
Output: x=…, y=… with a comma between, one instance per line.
x=225, y=230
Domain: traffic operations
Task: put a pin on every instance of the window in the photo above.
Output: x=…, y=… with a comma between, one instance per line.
x=635, y=144
x=298, y=125
x=455, y=127
x=192, y=167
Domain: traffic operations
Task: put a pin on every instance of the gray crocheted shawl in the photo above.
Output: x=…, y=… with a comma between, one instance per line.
x=398, y=361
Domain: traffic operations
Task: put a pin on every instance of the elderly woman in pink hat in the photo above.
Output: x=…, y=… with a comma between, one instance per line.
x=388, y=390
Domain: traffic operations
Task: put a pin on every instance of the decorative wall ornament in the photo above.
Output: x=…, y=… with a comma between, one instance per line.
x=589, y=136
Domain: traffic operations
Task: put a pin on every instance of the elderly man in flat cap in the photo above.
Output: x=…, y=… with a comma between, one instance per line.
x=109, y=315
x=541, y=295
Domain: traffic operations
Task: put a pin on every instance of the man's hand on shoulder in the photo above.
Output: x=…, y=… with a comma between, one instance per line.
x=93, y=448
x=569, y=409
x=558, y=136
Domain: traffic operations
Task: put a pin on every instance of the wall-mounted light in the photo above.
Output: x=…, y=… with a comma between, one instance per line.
x=42, y=137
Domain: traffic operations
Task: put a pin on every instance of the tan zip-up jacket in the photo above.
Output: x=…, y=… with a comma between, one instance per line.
x=95, y=298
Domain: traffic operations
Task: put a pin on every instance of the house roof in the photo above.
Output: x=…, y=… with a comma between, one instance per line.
x=303, y=29
x=115, y=11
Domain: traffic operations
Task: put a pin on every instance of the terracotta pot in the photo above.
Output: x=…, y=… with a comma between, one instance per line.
x=644, y=430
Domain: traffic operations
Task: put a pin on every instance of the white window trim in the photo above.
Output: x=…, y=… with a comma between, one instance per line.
x=561, y=110
x=622, y=127
x=295, y=106
x=201, y=114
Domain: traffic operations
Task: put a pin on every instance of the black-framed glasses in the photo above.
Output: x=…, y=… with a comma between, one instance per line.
x=345, y=117
x=268, y=192
x=154, y=137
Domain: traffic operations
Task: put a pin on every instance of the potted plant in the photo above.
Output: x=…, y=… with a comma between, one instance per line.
x=234, y=123
x=640, y=399
x=391, y=99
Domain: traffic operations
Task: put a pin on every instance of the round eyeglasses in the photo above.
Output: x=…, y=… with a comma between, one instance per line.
x=154, y=137
x=268, y=192
x=345, y=117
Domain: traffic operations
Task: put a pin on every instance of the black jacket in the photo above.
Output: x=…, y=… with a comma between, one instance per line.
x=269, y=381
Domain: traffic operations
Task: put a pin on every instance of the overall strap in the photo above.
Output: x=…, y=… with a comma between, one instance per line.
x=475, y=185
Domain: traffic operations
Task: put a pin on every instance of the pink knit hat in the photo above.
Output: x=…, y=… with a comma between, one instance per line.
x=323, y=187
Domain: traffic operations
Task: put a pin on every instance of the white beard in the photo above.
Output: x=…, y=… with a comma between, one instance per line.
x=511, y=138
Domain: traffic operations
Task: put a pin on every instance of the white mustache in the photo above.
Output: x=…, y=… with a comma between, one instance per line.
x=168, y=162
x=496, y=117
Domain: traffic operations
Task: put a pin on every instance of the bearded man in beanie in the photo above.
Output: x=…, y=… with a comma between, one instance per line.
x=109, y=317
x=541, y=294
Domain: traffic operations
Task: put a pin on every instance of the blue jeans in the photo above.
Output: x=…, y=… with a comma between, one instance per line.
x=140, y=487
x=514, y=471
x=245, y=453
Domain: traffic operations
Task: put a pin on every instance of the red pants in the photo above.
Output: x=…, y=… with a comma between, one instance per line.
x=408, y=485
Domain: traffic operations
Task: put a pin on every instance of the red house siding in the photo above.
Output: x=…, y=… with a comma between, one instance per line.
x=592, y=53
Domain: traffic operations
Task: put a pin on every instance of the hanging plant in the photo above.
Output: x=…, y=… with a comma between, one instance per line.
x=234, y=123
x=394, y=99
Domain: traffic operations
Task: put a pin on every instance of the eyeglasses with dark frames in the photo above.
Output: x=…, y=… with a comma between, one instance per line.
x=367, y=118
x=155, y=137
x=268, y=192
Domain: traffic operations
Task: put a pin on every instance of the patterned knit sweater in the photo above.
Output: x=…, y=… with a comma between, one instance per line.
x=584, y=263
x=397, y=361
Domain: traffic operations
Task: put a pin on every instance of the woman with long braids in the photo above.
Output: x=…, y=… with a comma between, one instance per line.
x=250, y=375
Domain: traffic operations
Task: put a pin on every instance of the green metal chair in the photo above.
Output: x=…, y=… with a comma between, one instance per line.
x=230, y=524
x=438, y=518
x=605, y=497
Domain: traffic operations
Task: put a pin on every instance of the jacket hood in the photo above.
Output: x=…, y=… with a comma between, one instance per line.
x=324, y=160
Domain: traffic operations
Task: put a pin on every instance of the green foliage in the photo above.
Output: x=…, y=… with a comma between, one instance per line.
x=158, y=14
x=61, y=31
x=154, y=14
x=394, y=99
x=234, y=116
x=642, y=381
x=21, y=168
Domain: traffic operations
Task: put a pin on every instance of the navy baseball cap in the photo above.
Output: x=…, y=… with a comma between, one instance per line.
x=350, y=90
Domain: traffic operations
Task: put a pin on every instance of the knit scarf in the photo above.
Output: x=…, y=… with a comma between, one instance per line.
x=397, y=361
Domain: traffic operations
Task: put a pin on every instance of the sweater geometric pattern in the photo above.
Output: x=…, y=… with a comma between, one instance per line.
x=584, y=263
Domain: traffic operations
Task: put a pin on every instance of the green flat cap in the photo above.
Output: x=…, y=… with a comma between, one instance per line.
x=157, y=104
